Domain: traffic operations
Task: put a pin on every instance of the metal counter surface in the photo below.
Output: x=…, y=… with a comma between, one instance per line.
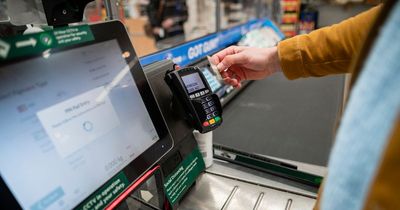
x=229, y=186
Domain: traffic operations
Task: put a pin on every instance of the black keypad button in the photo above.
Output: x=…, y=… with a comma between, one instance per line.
x=210, y=103
x=215, y=114
x=205, y=106
x=209, y=116
x=208, y=98
x=212, y=108
x=207, y=111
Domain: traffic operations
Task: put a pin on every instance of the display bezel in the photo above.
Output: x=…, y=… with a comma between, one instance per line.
x=183, y=73
x=114, y=30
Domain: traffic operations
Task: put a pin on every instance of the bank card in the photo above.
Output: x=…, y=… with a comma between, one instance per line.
x=214, y=68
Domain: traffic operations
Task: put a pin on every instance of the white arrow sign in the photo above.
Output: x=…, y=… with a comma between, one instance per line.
x=4, y=49
x=30, y=42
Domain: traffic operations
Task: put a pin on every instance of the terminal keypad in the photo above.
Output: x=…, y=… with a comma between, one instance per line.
x=212, y=116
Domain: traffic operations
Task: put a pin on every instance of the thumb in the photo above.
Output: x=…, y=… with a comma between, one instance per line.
x=230, y=60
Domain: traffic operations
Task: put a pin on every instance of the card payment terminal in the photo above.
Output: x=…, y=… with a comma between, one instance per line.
x=203, y=108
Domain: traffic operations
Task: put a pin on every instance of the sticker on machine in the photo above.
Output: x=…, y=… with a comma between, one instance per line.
x=78, y=121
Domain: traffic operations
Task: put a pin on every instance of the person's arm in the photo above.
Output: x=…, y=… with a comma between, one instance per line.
x=329, y=50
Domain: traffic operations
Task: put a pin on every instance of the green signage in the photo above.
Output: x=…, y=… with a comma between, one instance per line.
x=178, y=182
x=102, y=197
x=29, y=44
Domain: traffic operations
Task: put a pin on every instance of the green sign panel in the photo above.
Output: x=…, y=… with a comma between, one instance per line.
x=184, y=176
x=102, y=197
x=29, y=44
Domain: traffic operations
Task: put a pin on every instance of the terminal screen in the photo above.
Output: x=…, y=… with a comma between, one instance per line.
x=70, y=120
x=193, y=82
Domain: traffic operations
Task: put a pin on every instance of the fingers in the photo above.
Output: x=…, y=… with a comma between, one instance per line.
x=230, y=60
x=237, y=72
x=233, y=82
x=233, y=76
x=226, y=59
x=232, y=79
x=218, y=57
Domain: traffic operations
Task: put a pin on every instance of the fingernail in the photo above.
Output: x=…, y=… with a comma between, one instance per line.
x=221, y=66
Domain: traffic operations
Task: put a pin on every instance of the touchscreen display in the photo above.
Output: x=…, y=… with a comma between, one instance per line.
x=69, y=121
x=193, y=82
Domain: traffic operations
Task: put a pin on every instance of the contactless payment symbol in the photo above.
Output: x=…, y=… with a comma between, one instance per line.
x=4, y=49
x=46, y=39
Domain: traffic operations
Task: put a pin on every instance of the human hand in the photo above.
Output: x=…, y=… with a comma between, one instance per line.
x=167, y=23
x=156, y=30
x=238, y=63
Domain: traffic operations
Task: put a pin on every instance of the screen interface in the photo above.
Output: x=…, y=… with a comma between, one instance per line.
x=69, y=122
x=193, y=82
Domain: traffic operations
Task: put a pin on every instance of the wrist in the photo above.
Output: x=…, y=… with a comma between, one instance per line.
x=275, y=62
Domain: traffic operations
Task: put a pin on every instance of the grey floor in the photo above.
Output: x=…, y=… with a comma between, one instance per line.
x=287, y=119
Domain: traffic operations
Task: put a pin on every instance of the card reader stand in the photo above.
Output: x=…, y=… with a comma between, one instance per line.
x=181, y=132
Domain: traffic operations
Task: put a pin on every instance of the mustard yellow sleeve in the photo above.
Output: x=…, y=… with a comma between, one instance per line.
x=329, y=50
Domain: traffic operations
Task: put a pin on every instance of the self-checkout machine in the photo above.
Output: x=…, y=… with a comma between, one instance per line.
x=66, y=71
x=80, y=125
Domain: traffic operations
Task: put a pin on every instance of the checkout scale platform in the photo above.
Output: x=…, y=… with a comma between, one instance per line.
x=228, y=186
